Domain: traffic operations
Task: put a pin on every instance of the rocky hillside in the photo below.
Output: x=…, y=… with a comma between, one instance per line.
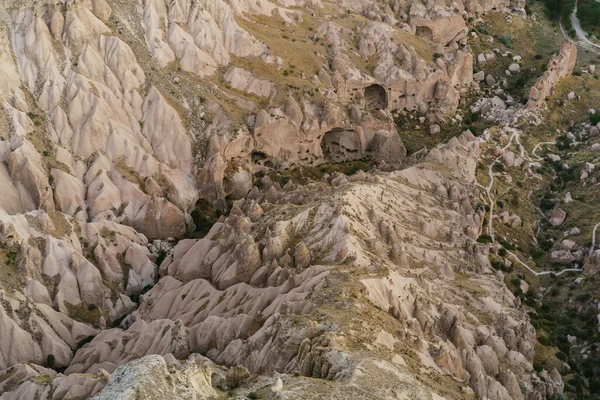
x=174, y=223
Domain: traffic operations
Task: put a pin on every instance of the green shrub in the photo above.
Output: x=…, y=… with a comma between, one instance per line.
x=546, y=244
x=51, y=361
x=583, y=297
x=537, y=253
x=502, y=252
x=595, y=118
x=484, y=239
x=547, y=204
x=507, y=245
x=506, y=40
x=561, y=356
x=482, y=29
x=563, y=142
x=472, y=129
x=498, y=167
x=545, y=340
x=497, y=264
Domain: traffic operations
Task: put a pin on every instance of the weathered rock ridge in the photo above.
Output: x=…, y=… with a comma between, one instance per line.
x=295, y=283
x=559, y=67
x=117, y=117
x=123, y=119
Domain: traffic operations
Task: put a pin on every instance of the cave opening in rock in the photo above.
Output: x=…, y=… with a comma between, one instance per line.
x=258, y=157
x=340, y=145
x=261, y=159
x=375, y=97
x=424, y=32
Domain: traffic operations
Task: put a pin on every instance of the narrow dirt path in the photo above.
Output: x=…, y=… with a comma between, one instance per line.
x=488, y=190
x=536, y=273
x=515, y=135
x=537, y=146
x=594, y=238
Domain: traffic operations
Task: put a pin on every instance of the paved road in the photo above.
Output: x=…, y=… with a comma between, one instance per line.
x=580, y=32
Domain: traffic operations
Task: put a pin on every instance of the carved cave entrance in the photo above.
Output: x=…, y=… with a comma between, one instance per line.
x=424, y=32
x=260, y=159
x=340, y=145
x=375, y=97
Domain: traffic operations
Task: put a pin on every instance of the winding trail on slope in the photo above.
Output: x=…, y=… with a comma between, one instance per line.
x=537, y=146
x=488, y=190
x=580, y=32
x=594, y=238
x=559, y=273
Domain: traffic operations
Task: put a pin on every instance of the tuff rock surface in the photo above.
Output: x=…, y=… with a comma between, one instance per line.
x=117, y=117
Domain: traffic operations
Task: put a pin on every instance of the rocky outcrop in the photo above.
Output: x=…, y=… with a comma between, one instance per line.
x=151, y=377
x=559, y=67
x=119, y=116
x=235, y=293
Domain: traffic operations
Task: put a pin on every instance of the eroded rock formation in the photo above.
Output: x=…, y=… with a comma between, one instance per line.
x=117, y=117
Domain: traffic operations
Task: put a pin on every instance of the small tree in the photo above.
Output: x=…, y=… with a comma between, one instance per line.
x=51, y=361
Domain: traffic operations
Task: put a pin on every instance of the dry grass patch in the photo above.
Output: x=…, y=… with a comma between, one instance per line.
x=291, y=43
x=86, y=313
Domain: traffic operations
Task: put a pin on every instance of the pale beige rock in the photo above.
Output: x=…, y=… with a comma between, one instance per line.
x=129, y=137
x=243, y=80
x=150, y=378
x=557, y=217
x=559, y=67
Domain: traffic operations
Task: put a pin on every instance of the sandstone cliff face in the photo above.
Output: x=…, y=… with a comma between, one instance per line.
x=118, y=116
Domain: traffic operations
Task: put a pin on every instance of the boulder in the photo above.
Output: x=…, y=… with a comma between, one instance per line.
x=434, y=129
x=557, y=217
x=237, y=374
x=562, y=257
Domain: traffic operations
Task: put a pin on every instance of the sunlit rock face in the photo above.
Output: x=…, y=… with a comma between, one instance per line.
x=117, y=117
